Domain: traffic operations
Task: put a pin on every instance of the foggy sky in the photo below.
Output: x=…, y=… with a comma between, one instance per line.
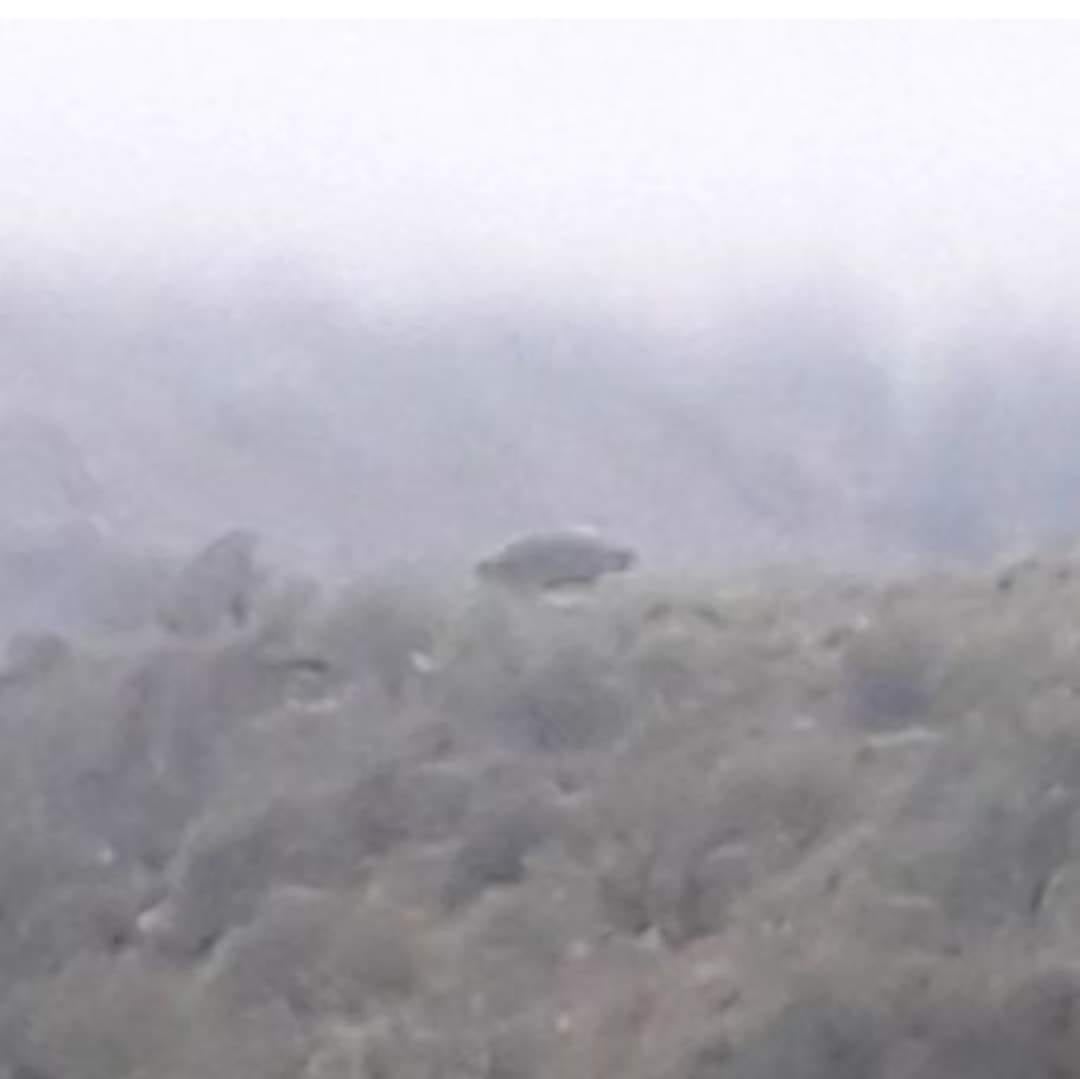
x=658, y=167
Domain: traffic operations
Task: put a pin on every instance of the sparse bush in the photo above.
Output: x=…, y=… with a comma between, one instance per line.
x=384, y=631
x=98, y=1018
x=623, y=892
x=224, y=869
x=433, y=802
x=1029, y=1027
x=59, y=902
x=540, y=679
x=809, y=1039
x=320, y=954
x=161, y=727
x=562, y=702
x=496, y=841
x=375, y=812
x=319, y=839
x=407, y=1051
x=515, y=945
x=262, y=1043
x=668, y=664
x=892, y=674
x=338, y=1054
x=568, y=701
x=94, y=914
x=984, y=830
x=520, y=1049
x=688, y=843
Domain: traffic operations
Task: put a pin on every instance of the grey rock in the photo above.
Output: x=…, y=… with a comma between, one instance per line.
x=555, y=559
x=216, y=588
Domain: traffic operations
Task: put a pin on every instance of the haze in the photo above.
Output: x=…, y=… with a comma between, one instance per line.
x=394, y=290
x=656, y=164
x=326, y=749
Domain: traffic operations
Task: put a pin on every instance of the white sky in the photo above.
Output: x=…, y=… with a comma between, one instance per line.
x=658, y=165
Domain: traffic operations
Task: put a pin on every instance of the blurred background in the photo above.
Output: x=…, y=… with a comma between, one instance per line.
x=387, y=292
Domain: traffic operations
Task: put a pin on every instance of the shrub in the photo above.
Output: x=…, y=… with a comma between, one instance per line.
x=1031, y=1028
x=320, y=954
x=226, y=867
x=810, y=1039
x=383, y=631
x=568, y=701
x=683, y=844
x=537, y=678
x=983, y=829
x=93, y=914
x=493, y=850
x=99, y=1018
x=891, y=677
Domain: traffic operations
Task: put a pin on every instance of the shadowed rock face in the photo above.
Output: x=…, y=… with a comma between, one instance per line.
x=216, y=587
x=44, y=479
x=30, y=654
x=554, y=560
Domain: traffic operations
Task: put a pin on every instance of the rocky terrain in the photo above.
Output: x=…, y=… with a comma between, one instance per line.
x=773, y=825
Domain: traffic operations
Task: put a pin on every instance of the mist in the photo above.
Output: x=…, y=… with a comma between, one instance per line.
x=657, y=167
x=387, y=292
x=332, y=744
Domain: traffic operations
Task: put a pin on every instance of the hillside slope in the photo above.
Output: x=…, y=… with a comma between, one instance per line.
x=781, y=825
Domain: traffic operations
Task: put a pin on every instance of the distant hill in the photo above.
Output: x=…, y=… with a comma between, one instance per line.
x=358, y=438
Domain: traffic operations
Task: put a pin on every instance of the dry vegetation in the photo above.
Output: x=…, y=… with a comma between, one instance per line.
x=812, y=828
